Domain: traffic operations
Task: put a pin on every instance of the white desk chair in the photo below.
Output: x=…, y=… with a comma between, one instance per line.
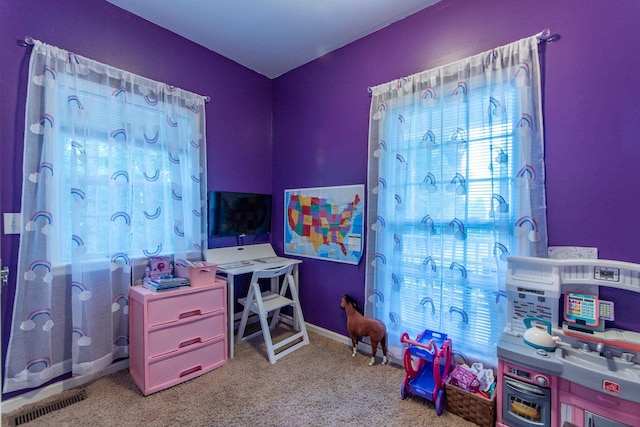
x=264, y=303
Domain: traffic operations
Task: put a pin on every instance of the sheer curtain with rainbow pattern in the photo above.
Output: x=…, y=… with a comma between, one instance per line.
x=456, y=184
x=114, y=172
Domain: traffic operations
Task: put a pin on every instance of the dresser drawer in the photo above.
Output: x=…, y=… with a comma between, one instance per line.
x=186, y=364
x=196, y=301
x=176, y=335
x=189, y=331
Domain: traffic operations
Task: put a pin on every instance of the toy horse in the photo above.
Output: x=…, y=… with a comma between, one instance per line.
x=360, y=326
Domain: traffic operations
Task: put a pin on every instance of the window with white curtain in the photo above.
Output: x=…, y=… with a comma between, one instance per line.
x=114, y=171
x=97, y=166
x=456, y=185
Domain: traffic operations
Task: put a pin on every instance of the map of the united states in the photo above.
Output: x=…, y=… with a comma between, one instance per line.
x=319, y=221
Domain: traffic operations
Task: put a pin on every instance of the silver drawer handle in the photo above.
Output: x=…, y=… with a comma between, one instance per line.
x=524, y=389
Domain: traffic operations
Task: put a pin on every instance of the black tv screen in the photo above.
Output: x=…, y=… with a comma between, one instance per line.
x=237, y=214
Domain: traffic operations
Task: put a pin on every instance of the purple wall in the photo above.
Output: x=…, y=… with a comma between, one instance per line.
x=239, y=116
x=321, y=115
x=320, y=111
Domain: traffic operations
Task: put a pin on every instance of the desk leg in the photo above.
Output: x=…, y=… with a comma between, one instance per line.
x=231, y=306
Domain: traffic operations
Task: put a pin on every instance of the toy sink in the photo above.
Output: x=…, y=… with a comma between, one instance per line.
x=600, y=372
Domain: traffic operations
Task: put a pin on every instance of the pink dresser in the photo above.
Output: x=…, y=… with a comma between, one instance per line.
x=175, y=336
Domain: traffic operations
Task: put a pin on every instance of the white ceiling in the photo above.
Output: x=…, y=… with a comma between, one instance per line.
x=272, y=37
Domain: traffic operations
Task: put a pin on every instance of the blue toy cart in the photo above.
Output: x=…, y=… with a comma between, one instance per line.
x=432, y=353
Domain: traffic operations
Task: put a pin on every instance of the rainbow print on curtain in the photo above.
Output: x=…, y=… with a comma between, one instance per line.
x=456, y=185
x=114, y=172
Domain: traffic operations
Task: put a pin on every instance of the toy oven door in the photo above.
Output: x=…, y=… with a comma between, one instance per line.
x=525, y=404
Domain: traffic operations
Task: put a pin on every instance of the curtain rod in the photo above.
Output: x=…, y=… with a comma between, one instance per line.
x=544, y=36
x=28, y=41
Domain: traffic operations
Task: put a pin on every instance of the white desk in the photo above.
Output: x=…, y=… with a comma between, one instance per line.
x=237, y=260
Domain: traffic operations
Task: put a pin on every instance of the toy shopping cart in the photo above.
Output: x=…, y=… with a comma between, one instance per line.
x=432, y=353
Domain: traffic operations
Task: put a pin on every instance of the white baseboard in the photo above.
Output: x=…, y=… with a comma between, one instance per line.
x=34, y=396
x=329, y=334
x=363, y=347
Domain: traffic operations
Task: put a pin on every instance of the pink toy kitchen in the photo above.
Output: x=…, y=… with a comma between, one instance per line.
x=570, y=353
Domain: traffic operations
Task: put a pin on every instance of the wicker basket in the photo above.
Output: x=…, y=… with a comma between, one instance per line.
x=470, y=406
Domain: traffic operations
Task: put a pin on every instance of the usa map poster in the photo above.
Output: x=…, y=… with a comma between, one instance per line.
x=325, y=223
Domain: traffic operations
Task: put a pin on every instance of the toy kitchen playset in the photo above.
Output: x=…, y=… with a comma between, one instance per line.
x=567, y=356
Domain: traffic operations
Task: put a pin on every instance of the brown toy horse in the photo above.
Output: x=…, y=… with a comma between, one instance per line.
x=360, y=326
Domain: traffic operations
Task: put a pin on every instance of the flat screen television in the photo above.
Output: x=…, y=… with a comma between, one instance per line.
x=238, y=214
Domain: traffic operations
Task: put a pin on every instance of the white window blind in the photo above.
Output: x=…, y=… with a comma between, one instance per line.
x=456, y=185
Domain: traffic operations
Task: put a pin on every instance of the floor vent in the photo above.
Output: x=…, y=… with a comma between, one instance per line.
x=47, y=408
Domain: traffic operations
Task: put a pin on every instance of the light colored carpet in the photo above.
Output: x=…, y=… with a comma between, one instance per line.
x=318, y=385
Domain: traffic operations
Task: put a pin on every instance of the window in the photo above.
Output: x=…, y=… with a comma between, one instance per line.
x=114, y=171
x=91, y=151
x=455, y=182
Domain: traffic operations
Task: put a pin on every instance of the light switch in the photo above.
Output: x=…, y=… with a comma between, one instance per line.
x=12, y=223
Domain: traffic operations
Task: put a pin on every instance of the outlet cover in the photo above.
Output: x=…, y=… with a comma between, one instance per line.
x=12, y=223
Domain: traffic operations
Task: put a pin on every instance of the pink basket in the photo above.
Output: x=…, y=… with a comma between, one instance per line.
x=465, y=379
x=198, y=276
